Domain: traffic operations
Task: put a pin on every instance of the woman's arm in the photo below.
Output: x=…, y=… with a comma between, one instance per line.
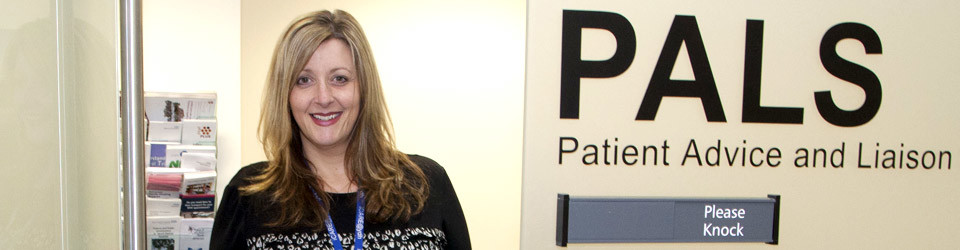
x=454, y=224
x=231, y=220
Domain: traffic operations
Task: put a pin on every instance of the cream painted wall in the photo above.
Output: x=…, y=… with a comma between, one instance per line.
x=453, y=76
x=822, y=207
x=194, y=46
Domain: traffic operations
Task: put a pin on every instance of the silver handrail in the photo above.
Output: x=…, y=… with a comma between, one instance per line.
x=131, y=109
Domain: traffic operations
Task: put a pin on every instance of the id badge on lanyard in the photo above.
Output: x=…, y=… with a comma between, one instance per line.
x=332, y=231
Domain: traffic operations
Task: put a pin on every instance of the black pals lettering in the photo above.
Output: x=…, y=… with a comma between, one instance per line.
x=850, y=72
x=683, y=30
x=752, y=61
x=572, y=67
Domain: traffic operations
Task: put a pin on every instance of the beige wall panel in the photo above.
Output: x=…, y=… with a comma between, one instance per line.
x=823, y=208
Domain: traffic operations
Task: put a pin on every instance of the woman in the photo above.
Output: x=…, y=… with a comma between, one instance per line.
x=333, y=168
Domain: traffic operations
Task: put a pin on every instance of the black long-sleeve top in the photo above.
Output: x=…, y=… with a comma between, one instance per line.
x=239, y=223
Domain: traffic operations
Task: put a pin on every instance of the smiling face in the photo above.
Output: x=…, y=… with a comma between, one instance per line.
x=325, y=99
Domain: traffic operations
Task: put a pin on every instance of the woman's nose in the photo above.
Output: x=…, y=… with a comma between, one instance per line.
x=324, y=94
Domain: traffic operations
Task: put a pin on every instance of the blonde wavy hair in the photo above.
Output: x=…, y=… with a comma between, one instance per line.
x=396, y=188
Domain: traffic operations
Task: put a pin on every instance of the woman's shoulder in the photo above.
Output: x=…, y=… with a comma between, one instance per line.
x=435, y=173
x=430, y=167
x=242, y=178
x=253, y=168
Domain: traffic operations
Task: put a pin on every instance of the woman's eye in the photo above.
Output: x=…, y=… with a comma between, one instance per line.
x=340, y=79
x=303, y=80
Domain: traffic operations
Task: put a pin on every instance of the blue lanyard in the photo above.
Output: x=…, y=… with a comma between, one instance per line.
x=332, y=231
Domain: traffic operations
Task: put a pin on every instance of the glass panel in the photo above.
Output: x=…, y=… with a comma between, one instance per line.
x=29, y=130
x=59, y=132
x=90, y=128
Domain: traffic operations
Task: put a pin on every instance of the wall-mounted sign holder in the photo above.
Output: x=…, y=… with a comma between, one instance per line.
x=634, y=220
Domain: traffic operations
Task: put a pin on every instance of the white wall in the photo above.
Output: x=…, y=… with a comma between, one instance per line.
x=453, y=76
x=194, y=46
x=452, y=73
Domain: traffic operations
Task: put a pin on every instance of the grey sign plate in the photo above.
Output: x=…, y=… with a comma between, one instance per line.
x=624, y=220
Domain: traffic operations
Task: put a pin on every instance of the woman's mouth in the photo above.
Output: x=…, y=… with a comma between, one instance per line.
x=326, y=119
